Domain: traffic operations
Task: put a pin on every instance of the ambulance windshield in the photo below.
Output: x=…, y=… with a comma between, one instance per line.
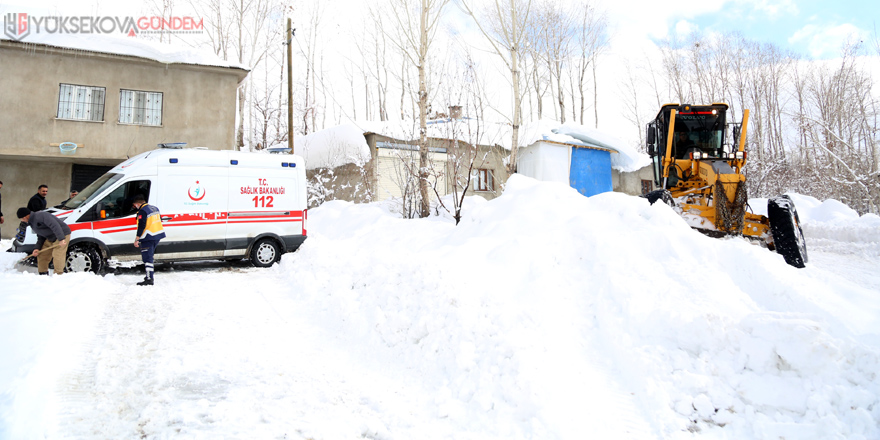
x=97, y=187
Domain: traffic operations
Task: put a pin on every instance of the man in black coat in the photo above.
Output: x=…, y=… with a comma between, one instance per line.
x=50, y=232
x=36, y=203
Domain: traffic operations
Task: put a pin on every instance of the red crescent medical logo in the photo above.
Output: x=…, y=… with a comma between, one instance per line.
x=196, y=192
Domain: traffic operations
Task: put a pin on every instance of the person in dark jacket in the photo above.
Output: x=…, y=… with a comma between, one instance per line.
x=50, y=232
x=73, y=193
x=36, y=203
x=38, y=200
x=149, y=232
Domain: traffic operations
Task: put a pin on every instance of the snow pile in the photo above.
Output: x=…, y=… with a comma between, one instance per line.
x=534, y=310
x=831, y=225
x=544, y=314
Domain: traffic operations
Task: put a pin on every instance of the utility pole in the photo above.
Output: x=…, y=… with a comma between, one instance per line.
x=290, y=31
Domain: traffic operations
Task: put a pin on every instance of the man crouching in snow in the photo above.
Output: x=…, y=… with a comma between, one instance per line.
x=149, y=232
x=52, y=234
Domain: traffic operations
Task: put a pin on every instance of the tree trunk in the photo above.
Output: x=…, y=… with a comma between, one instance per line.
x=517, y=99
x=595, y=96
x=424, y=205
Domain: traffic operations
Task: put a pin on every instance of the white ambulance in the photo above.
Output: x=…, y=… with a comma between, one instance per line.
x=214, y=205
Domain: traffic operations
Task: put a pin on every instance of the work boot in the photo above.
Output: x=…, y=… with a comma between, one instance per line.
x=146, y=282
x=44, y=273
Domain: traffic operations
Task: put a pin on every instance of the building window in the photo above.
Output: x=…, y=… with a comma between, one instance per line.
x=485, y=182
x=141, y=108
x=83, y=103
x=646, y=186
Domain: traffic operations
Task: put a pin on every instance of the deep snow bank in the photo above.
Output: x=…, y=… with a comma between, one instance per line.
x=833, y=226
x=43, y=321
x=507, y=313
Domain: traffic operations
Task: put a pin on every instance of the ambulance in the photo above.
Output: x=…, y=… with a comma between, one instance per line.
x=214, y=205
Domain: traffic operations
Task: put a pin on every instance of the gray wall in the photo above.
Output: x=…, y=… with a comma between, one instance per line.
x=631, y=183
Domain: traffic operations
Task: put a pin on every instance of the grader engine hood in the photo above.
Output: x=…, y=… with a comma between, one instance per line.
x=721, y=171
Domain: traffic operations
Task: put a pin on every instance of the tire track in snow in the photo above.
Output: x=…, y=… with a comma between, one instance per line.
x=112, y=385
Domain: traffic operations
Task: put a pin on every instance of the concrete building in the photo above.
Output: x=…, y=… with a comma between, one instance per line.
x=374, y=161
x=112, y=98
x=393, y=157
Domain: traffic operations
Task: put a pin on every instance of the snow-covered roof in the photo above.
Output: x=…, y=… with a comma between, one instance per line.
x=464, y=129
x=333, y=147
x=627, y=159
x=120, y=45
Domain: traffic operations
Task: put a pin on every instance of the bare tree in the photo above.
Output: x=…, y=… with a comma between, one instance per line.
x=307, y=43
x=508, y=21
x=630, y=89
x=376, y=44
x=242, y=30
x=414, y=34
x=555, y=32
x=464, y=134
x=164, y=9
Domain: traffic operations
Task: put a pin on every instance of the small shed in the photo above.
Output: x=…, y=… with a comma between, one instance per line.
x=588, y=160
x=585, y=168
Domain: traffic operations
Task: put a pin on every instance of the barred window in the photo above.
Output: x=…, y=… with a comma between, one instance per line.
x=84, y=103
x=485, y=182
x=142, y=108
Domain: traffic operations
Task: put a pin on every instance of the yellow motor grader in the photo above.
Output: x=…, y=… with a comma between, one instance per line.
x=700, y=173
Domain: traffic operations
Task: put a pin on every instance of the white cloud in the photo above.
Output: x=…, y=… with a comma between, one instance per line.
x=773, y=8
x=684, y=28
x=826, y=41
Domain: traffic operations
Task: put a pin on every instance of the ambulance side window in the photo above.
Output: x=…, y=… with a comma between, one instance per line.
x=119, y=203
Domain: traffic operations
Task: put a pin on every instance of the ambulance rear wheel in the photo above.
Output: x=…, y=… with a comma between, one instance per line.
x=265, y=253
x=83, y=258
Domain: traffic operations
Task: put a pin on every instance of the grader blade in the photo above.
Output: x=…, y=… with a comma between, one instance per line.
x=730, y=214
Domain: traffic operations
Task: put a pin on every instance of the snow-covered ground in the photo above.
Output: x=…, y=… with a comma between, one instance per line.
x=543, y=315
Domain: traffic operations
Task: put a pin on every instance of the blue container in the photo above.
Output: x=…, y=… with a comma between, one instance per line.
x=590, y=171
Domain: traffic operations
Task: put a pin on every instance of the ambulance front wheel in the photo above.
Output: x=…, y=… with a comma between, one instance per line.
x=84, y=258
x=265, y=253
